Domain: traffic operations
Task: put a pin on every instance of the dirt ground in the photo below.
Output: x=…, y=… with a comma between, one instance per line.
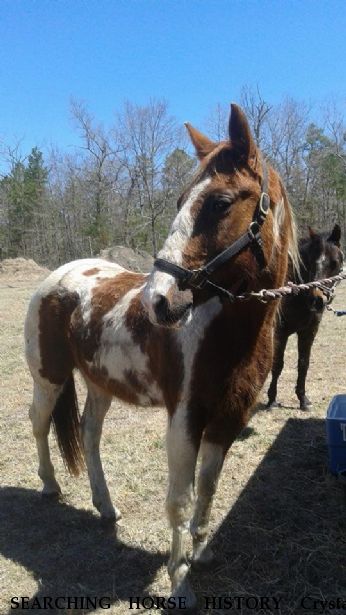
x=278, y=524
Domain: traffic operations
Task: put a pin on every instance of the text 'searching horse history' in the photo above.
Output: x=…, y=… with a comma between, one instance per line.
x=171, y=337
x=320, y=257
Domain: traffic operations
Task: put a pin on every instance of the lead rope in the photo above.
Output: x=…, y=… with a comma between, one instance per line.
x=327, y=286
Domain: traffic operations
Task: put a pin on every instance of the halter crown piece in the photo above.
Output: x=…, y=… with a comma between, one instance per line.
x=199, y=278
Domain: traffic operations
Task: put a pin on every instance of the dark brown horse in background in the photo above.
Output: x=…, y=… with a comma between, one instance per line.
x=321, y=257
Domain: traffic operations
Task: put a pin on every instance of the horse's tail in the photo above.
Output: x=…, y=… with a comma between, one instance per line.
x=66, y=419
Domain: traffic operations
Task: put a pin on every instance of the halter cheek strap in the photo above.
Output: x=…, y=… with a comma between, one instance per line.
x=199, y=278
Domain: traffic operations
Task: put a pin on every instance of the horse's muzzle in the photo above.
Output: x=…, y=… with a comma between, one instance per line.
x=318, y=301
x=168, y=314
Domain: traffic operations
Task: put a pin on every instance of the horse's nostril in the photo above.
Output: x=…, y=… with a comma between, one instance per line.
x=160, y=305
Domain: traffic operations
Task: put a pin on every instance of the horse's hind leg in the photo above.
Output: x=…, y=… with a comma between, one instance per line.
x=95, y=411
x=305, y=341
x=44, y=399
x=278, y=364
x=211, y=464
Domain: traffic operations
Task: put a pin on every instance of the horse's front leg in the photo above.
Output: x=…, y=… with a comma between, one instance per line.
x=182, y=456
x=217, y=439
x=211, y=464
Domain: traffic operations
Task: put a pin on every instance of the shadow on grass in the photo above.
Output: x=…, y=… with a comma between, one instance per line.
x=68, y=551
x=285, y=535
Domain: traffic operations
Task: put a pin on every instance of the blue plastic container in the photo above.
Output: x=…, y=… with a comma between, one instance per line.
x=336, y=434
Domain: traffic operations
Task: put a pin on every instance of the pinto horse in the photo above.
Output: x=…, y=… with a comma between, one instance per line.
x=173, y=337
x=321, y=257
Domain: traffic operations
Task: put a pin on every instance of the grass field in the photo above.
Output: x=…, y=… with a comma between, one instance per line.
x=278, y=524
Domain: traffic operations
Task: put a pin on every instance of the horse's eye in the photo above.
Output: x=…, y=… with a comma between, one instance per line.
x=221, y=203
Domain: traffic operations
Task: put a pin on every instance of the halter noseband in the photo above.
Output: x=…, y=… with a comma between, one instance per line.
x=199, y=278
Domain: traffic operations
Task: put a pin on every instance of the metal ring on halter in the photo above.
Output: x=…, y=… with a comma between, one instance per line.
x=264, y=203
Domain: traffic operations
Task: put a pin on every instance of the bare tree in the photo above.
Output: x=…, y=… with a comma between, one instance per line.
x=257, y=111
x=100, y=169
x=216, y=124
x=147, y=134
x=121, y=184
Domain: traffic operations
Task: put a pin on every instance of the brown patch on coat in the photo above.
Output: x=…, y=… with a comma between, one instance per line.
x=91, y=271
x=130, y=390
x=230, y=367
x=56, y=357
x=107, y=293
x=166, y=363
x=112, y=386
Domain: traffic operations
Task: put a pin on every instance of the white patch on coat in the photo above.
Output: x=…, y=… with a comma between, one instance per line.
x=159, y=282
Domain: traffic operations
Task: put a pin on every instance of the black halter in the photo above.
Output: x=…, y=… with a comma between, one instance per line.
x=199, y=278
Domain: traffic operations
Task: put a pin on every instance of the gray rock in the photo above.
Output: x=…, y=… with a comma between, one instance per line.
x=135, y=260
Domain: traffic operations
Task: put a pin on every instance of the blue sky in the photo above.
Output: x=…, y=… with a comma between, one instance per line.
x=193, y=53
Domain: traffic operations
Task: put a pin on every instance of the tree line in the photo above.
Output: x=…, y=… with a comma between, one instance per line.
x=121, y=184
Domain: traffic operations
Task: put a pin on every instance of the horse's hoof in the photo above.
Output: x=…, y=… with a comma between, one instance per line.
x=184, y=598
x=207, y=564
x=107, y=511
x=273, y=404
x=51, y=496
x=305, y=403
x=118, y=515
x=108, y=524
x=204, y=558
x=110, y=519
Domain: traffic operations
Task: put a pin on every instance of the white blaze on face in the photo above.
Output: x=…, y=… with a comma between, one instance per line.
x=159, y=282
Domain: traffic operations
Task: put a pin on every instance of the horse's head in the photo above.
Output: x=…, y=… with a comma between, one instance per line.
x=222, y=205
x=321, y=257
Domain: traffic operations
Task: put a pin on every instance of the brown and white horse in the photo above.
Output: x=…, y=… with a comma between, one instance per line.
x=169, y=338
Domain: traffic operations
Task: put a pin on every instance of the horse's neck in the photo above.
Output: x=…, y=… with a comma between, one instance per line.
x=236, y=319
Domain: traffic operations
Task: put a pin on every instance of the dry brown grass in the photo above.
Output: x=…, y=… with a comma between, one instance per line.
x=278, y=522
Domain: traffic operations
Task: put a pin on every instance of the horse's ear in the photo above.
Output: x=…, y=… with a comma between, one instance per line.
x=240, y=133
x=201, y=143
x=335, y=235
x=315, y=237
